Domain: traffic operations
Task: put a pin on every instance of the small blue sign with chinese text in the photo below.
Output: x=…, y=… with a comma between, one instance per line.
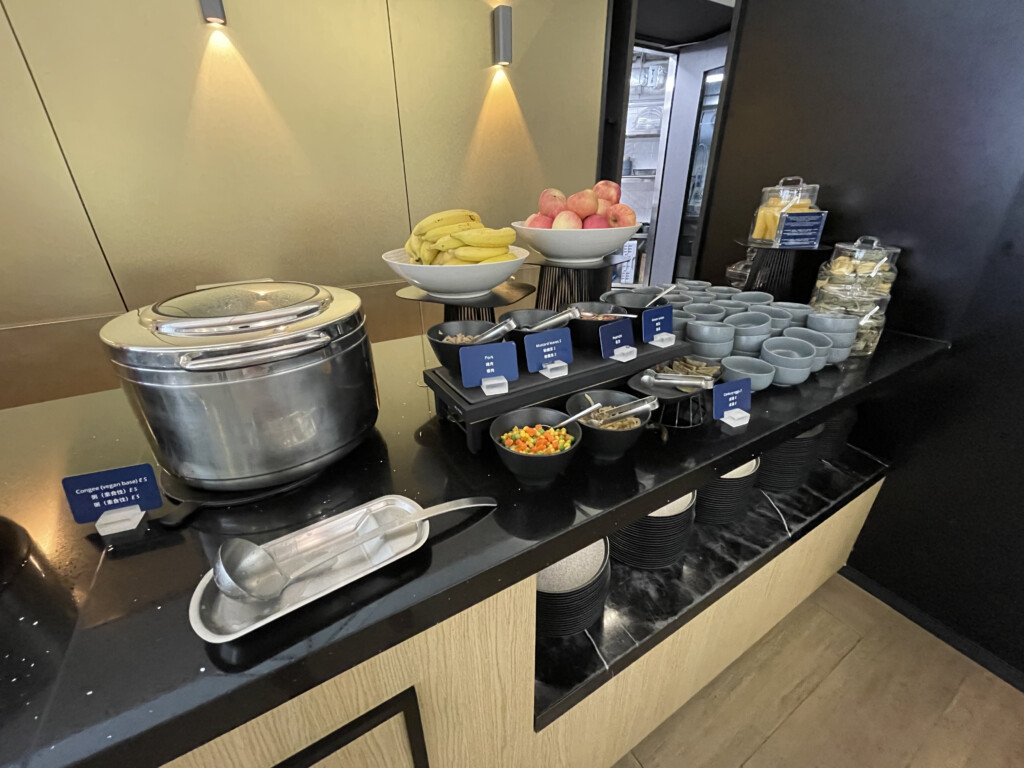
x=92, y=494
x=801, y=230
x=731, y=394
x=655, y=321
x=547, y=347
x=618, y=333
x=488, y=361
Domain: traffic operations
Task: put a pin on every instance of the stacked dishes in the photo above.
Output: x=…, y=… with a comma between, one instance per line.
x=730, y=307
x=705, y=311
x=724, y=500
x=571, y=593
x=710, y=339
x=679, y=321
x=840, y=328
x=799, y=312
x=723, y=292
x=752, y=330
x=753, y=298
x=836, y=430
x=787, y=466
x=658, y=540
x=781, y=319
x=821, y=343
x=792, y=359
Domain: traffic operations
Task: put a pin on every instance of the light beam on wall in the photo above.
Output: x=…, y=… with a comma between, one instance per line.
x=501, y=27
x=213, y=11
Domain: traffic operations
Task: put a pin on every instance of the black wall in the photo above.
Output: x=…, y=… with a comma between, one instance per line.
x=910, y=115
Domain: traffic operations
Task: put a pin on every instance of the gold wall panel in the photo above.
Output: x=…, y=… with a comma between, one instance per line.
x=50, y=264
x=269, y=147
x=490, y=138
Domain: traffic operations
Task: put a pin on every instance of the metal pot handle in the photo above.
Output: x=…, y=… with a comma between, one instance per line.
x=256, y=357
x=239, y=323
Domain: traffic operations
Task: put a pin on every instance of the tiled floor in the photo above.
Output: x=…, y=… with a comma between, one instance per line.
x=844, y=682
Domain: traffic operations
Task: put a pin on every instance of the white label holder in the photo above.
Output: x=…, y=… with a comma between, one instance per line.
x=555, y=370
x=736, y=417
x=494, y=385
x=624, y=354
x=663, y=339
x=119, y=520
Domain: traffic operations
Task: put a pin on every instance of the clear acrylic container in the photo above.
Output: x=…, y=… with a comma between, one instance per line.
x=790, y=195
x=864, y=264
x=869, y=306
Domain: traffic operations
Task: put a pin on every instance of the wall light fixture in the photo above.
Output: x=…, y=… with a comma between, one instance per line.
x=213, y=11
x=501, y=26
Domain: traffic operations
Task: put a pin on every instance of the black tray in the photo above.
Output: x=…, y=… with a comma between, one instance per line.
x=473, y=411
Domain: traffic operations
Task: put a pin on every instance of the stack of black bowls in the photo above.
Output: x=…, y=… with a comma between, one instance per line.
x=571, y=593
x=725, y=500
x=787, y=466
x=657, y=540
x=837, y=430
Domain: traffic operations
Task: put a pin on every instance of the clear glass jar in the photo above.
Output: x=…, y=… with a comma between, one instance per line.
x=869, y=306
x=790, y=195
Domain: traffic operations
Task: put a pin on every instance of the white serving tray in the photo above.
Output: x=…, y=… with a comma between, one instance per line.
x=217, y=618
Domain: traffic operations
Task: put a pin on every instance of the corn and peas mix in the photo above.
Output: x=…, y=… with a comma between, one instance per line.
x=537, y=440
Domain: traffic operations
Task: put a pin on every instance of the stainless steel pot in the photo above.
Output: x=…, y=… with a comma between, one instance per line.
x=247, y=385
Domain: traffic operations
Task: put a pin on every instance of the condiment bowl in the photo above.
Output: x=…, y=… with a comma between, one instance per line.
x=760, y=373
x=679, y=300
x=798, y=311
x=530, y=469
x=788, y=353
x=606, y=445
x=781, y=319
x=679, y=321
x=749, y=344
x=723, y=291
x=701, y=297
x=716, y=350
x=587, y=333
x=705, y=311
x=754, y=323
x=709, y=331
x=635, y=303
x=448, y=351
x=832, y=322
x=730, y=307
x=693, y=285
x=524, y=317
x=753, y=297
x=821, y=343
x=788, y=377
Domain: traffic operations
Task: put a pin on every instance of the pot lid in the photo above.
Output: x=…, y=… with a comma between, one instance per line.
x=234, y=314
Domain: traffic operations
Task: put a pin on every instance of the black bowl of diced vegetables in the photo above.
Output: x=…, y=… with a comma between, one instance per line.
x=519, y=427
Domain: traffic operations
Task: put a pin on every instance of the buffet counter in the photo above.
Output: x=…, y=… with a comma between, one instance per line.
x=435, y=656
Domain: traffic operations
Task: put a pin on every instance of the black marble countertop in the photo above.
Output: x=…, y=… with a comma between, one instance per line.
x=98, y=662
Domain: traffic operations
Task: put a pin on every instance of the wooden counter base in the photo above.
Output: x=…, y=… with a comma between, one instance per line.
x=474, y=678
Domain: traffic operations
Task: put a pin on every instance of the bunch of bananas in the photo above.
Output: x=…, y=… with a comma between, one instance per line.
x=458, y=237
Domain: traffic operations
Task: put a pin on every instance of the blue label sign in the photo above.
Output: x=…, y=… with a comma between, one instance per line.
x=92, y=494
x=547, y=347
x=655, y=321
x=801, y=230
x=488, y=360
x=618, y=333
x=731, y=394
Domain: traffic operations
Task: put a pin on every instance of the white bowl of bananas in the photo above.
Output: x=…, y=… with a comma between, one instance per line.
x=452, y=255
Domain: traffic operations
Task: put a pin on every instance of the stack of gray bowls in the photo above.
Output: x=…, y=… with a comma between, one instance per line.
x=840, y=328
x=571, y=593
x=792, y=358
x=752, y=330
x=710, y=339
x=798, y=312
x=821, y=343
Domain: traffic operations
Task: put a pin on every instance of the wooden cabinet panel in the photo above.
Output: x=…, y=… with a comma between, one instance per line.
x=386, y=746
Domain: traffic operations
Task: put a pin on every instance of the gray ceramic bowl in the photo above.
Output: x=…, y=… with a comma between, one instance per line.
x=744, y=353
x=679, y=321
x=715, y=350
x=787, y=377
x=679, y=300
x=821, y=343
x=798, y=311
x=788, y=353
x=723, y=291
x=750, y=323
x=841, y=339
x=760, y=373
x=838, y=354
x=702, y=297
x=731, y=307
x=781, y=319
x=693, y=285
x=705, y=360
x=750, y=344
x=753, y=297
x=709, y=331
x=705, y=311
x=832, y=322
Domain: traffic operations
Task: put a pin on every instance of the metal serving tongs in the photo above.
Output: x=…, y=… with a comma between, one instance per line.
x=650, y=377
x=571, y=313
x=495, y=333
x=634, y=408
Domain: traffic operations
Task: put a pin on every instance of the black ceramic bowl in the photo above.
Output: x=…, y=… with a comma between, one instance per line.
x=606, y=444
x=634, y=304
x=587, y=333
x=448, y=352
x=524, y=317
x=528, y=469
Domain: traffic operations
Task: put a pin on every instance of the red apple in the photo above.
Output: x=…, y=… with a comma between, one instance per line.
x=567, y=220
x=595, y=221
x=603, y=206
x=552, y=202
x=621, y=215
x=583, y=203
x=539, y=220
x=608, y=190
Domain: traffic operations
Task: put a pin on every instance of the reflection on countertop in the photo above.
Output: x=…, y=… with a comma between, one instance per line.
x=131, y=684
